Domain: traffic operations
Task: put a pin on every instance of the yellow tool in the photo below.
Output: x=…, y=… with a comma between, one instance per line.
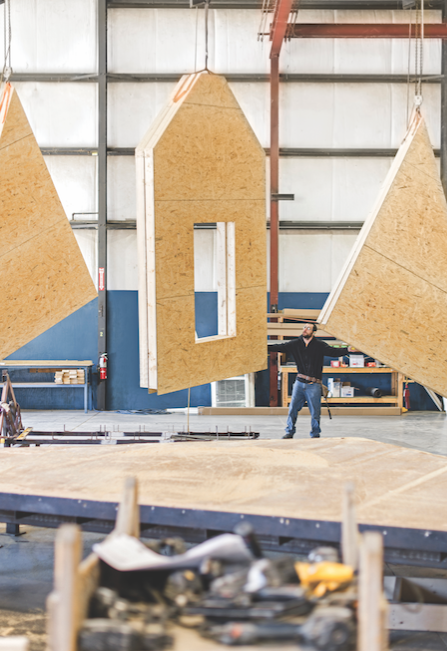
x=324, y=577
x=24, y=434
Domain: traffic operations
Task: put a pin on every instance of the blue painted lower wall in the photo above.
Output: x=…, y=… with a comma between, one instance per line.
x=76, y=338
x=123, y=390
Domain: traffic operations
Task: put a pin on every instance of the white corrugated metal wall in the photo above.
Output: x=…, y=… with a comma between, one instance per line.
x=59, y=36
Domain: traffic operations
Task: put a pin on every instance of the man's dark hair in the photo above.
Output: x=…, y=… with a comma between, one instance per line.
x=315, y=327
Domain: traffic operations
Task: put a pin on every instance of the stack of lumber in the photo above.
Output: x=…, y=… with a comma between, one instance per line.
x=70, y=376
x=276, y=327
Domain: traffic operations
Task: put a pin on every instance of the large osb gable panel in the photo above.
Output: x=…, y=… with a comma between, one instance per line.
x=392, y=302
x=208, y=167
x=44, y=276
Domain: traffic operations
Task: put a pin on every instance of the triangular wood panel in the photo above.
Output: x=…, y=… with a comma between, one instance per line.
x=391, y=298
x=44, y=277
x=200, y=162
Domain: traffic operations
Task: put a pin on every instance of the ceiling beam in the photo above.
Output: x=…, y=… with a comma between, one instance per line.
x=279, y=25
x=257, y=4
x=369, y=30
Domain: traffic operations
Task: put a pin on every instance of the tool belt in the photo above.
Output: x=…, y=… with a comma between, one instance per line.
x=307, y=377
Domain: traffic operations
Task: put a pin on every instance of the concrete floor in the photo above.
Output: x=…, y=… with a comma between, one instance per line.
x=421, y=430
x=26, y=562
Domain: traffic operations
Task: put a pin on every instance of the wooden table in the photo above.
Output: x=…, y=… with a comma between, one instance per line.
x=50, y=366
x=289, y=490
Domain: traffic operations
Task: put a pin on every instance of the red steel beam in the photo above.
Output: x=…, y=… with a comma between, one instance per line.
x=371, y=30
x=279, y=25
x=274, y=215
x=277, y=34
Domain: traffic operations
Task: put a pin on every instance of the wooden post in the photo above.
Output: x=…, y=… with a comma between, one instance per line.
x=63, y=602
x=349, y=531
x=128, y=518
x=372, y=609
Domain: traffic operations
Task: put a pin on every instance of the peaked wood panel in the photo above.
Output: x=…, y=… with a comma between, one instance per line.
x=199, y=163
x=44, y=277
x=391, y=298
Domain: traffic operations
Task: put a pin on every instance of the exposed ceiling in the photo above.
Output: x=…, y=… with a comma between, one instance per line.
x=257, y=4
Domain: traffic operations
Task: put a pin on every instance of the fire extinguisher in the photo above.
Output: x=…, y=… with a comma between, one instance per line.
x=103, y=366
x=407, y=396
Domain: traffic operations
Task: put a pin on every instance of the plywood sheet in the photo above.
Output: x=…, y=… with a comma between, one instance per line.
x=395, y=486
x=199, y=163
x=391, y=298
x=44, y=277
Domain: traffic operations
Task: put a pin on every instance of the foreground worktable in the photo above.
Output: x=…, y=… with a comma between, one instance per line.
x=291, y=491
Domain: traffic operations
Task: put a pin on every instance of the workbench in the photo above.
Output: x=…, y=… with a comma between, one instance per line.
x=290, y=491
x=51, y=365
x=395, y=399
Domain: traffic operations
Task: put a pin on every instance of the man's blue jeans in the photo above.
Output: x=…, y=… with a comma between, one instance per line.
x=301, y=393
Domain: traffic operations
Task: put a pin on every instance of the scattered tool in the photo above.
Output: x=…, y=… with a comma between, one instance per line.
x=231, y=593
x=331, y=629
x=10, y=418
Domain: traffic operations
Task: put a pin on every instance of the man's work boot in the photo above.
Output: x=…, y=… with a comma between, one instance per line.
x=288, y=436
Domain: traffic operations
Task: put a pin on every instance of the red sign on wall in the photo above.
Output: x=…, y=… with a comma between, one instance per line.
x=101, y=285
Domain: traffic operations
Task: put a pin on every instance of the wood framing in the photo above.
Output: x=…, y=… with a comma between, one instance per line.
x=44, y=277
x=390, y=300
x=200, y=162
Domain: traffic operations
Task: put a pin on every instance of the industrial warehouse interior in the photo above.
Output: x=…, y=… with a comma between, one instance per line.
x=224, y=262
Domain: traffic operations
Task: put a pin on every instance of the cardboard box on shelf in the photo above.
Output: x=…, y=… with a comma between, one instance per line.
x=356, y=361
x=347, y=392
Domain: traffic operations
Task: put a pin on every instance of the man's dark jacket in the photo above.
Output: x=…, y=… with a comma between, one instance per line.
x=308, y=359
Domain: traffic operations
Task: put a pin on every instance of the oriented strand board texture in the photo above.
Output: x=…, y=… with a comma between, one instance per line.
x=394, y=486
x=44, y=277
x=203, y=164
x=391, y=299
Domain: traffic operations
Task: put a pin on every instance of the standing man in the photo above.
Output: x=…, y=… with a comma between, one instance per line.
x=308, y=354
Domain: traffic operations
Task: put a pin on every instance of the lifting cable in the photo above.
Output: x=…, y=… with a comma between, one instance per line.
x=206, y=4
x=418, y=59
x=7, y=69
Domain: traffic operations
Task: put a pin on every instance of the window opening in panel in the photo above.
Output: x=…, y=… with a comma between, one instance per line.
x=214, y=280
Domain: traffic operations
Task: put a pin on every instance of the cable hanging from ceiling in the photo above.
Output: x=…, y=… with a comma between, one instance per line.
x=416, y=35
x=206, y=5
x=7, y=68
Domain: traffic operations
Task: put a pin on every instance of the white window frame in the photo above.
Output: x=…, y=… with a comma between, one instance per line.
x=225, y=264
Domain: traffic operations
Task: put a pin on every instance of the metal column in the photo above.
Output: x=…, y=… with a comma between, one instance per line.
x=278, y=31
x=102, y=194
x=274, y=181
x=444, y=105
x=274, y=218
